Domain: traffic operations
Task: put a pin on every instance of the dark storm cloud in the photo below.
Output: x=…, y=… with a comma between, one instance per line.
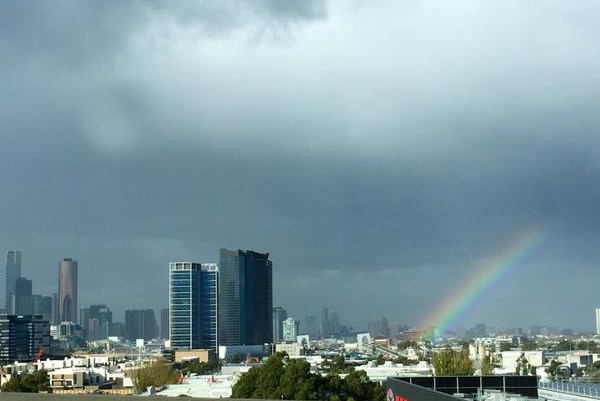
x=382, y=152
x=93, y=30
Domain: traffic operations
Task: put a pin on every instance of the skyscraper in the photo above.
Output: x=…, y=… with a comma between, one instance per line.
x=193, y=305
x=96, y=321
x=245, y=298
x=164, y=323
x=23, y=300
x=279, y=315
x=140, y=323
x=598, y=321
x=13, y=272
x=291, y=329
x=67, y=290
x=21, y=337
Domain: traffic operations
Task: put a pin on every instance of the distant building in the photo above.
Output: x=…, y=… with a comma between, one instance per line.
x=164, y=323
x=55, y=309
x=42, y=305
x=279, y=315
x=67, y=290
x=69, y=335
x=118, y=329
x=330, y=323
x=193, y=305
x=379, y=328
x=21, y=337
x=291, y=329
x=245, y=298
x=309, y=326
x=598, y=321
x=140, y=323
x=96, y=322
x=13, y=272
x=292, y=349
x=23, y=298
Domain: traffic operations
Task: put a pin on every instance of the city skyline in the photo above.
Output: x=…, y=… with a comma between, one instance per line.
x=42, y=304
x=382, y=151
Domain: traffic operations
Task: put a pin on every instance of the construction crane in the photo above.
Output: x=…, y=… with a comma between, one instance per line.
x=39, y=354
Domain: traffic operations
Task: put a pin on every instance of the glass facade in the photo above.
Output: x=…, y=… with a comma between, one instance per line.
x=193, y=305
x=245, y=298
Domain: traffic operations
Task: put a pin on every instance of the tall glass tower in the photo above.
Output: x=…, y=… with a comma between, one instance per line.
x=193, y=305
x=67, y=290
x=13, y=272
x=245, y=298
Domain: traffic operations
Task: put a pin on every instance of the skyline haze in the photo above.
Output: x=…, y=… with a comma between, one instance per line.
x=382, y=152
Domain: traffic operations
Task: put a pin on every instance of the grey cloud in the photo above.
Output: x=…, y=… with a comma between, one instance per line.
x=397, y=158
x=97, y=31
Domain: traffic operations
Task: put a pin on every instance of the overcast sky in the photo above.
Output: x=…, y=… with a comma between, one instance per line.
x=379, y=150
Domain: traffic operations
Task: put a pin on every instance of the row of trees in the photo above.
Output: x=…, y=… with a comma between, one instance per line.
x=291, y=379
x=34, y=382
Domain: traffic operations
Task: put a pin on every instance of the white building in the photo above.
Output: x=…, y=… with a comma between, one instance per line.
x=510, y=359
x=388, y=369
x=291, y=329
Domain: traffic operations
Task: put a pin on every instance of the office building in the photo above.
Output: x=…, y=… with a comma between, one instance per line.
x=291, y=329
x=69, y=336
x=13, y=272
x=279, y=315
x=598, y=321
x=140, y=324
x=193, y=305
x=96, y=322
x=67, y=290
x=23, y=299
x=245, y=298
x=310, y=327
x=21, y=337
x=55, y=309
x=164, y=323
x=42, y=305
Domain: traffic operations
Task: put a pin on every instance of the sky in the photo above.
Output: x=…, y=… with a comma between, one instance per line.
x=381, y=151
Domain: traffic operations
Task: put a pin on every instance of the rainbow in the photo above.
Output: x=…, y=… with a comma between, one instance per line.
x=486, y=274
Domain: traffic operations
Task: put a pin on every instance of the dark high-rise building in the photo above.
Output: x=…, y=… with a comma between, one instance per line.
x=23, y=297
x=67, y=290
x=279, y=315
x=55, y=309
x=96, y=322
x=326, y=329
x=164, y=324
x=310, y=327
x=42, y=306
x=140, y=323
x=13, y=272
x=21, y=337
x=245, y=298
x=192, y=314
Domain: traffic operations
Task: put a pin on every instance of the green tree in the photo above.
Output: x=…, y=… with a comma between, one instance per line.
x=552, y=370
x=530, y=346
x=451, y=363
x=283, y=378
x=246, y=385
x=30, y=383
x=487, y=368
x=407, y=344
x=200, y=368
x=156, y=373
x=267, y=383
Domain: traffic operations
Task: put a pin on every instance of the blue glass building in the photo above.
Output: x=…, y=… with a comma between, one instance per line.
x=193, y=289
x=245, y=298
